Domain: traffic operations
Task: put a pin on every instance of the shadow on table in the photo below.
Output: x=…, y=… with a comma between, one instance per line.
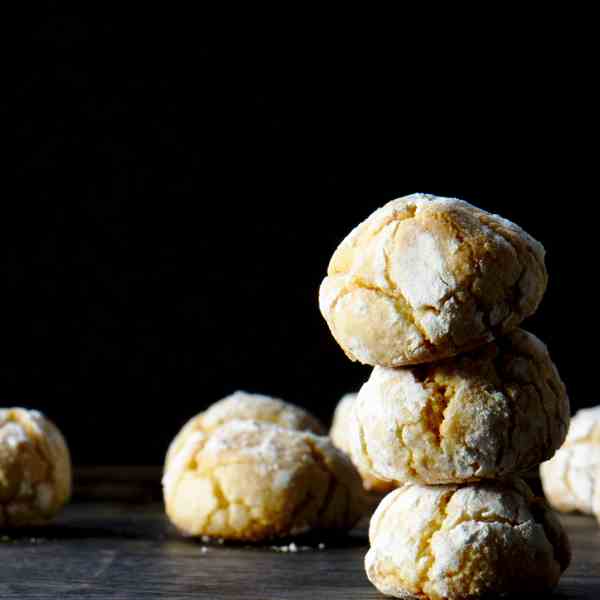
x=66, y=532
x=165, y=532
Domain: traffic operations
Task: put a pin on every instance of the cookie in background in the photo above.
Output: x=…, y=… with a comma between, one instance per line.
x=342, y=429
x=229, y=475
x=571, y=479
x=35, y=468
x=245, y=406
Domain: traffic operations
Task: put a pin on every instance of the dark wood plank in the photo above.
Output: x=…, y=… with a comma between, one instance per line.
x=129, y=551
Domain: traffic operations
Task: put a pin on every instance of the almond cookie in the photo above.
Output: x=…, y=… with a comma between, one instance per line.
x=495, y=411
x=253, y=481
x=461, y=542
x=35, y=468
x=243, y=406
x=425, y=277
x=344, y=423
x=571, y=479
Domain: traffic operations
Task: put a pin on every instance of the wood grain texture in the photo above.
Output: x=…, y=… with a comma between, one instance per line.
x=129, y=551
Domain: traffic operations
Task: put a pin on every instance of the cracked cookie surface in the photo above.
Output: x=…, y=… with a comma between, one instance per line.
x=426, y=277
x=243, y=406
x=253, y=481
x=458, y=542
x=35, y=468
x=495, y=411
x=571, y=479
x=341, y=432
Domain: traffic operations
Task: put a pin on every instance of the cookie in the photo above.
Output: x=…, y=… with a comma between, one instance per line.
x=426, y=277
x=495, y=411
x=341, y=433
x=461, y=542
x=255, y=481
x=571, y=479
x=596, y=504
x=35, y=468
x=245, y=406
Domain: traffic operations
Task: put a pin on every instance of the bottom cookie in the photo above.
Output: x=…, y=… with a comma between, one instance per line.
x=457, y=542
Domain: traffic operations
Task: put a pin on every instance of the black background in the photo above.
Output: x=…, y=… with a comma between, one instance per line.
x=180, y=188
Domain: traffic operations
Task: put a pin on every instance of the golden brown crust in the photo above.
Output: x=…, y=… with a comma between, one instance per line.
x=254, y=481
x=424, y=278
x=35, y=468
x=341, y=433
x=459, y=542
x=490, y=413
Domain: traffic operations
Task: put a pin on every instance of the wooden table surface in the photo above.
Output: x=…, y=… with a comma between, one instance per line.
x=125, y=551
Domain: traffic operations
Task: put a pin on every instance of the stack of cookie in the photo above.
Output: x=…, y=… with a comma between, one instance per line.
x=431, y=291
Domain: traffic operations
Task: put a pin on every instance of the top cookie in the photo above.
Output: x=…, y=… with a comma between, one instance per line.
x=426, y=277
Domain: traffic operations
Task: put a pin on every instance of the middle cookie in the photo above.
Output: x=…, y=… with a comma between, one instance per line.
x=501, y=409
